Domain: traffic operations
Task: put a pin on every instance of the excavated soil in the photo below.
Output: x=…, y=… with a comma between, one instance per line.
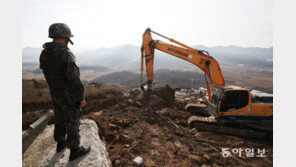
x=167, y=94
x=162, y=138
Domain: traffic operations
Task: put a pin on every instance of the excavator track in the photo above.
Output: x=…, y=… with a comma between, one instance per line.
x=198, y=109
x=211, y=124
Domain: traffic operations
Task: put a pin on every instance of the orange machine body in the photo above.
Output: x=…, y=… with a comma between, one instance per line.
x=226, y=99
x=236, y=101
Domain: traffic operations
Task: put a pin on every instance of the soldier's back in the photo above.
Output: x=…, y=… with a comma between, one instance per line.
x=53, y=61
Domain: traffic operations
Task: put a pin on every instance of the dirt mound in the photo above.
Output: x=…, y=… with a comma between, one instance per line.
x=167, y=94
x=162, y=138
x=103, y=100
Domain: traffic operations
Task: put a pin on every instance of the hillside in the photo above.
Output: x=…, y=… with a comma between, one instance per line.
x=245, y=77
x=163, y=76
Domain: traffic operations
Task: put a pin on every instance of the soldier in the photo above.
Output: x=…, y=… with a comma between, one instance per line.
x=66, y=90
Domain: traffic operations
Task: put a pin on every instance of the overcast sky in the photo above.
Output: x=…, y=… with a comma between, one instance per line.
x=107, y=23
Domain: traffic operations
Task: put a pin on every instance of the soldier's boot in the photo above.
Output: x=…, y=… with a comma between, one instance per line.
x=79, y=152
x=61, y=146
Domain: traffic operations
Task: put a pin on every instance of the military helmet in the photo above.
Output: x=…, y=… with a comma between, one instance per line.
x=59, y=30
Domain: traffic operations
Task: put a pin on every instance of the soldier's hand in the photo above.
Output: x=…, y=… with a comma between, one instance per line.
x=82, y=104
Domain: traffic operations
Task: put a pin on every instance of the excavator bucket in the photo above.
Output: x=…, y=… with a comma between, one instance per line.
x=160, y=97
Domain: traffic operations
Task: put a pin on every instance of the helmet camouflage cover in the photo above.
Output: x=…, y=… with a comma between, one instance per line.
x=59, y=30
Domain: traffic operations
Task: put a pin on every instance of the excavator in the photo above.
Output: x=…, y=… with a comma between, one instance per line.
x=229, y=109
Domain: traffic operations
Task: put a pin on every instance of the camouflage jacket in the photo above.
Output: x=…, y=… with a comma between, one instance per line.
x=61, y=73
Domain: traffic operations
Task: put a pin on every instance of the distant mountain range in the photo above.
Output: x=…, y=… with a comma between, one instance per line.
x=247, y=67
x=128, y=57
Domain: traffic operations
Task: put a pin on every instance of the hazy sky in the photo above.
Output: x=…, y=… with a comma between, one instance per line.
x=107, y=23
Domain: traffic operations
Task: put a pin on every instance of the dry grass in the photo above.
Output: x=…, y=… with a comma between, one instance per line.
x=32, y=94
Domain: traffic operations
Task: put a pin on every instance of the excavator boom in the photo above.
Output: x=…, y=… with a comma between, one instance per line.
x=205, y=62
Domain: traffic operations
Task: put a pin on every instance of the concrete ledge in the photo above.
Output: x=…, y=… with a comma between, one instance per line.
x=42, y=151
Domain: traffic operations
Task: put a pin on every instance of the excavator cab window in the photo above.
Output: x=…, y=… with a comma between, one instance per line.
x=234, y=99
x=216, y=96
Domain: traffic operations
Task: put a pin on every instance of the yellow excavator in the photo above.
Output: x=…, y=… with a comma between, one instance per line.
x=230, y=109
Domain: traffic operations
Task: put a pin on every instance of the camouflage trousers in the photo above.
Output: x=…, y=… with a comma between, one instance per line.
x=67, y=124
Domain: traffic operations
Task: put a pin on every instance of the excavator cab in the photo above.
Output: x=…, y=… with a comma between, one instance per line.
x=229, y=101
x=241, y=104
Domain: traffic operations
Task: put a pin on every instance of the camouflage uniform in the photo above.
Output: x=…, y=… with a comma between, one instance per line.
x=62, y=74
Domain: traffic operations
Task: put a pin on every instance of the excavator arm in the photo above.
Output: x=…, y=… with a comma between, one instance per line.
x=201, y=59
